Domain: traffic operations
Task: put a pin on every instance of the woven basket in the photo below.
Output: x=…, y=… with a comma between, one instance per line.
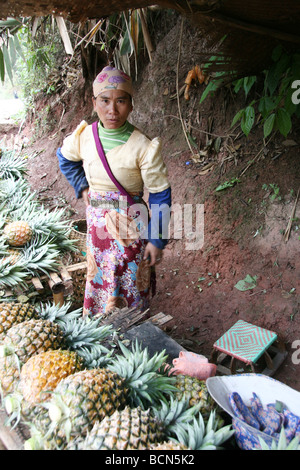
x=78, y=233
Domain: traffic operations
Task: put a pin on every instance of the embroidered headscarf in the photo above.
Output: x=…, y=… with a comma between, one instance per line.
x=111, y=78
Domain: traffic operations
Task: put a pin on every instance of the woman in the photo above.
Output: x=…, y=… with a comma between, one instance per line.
x=121, y=248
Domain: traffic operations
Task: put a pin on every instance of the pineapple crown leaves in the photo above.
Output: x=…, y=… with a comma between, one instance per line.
x=97, y=358
x=12, y=165
x=37, y=256
x=59, y=414
x=82, y=334
x=197, y=435
x=49, y=225
x=176, y=413
x=141, y=373
x=35, y=442
x=58, y=313
x=40, y=254
x=12, y=274
x=12, y=404
x=281, y=444
x=16, y=196
x=86, y=333
x=45, y=221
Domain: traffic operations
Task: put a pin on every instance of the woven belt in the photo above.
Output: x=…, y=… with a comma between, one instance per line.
x=104, y=204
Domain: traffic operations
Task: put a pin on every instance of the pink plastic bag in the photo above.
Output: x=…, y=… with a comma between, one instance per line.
x=195, y=365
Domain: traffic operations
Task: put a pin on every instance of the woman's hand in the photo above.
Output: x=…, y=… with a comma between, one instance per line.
x=84, y=195
x=152, y=254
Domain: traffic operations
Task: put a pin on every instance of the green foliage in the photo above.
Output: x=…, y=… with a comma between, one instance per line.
x=276, y=105
x=41, y=55
x=9, y=45
x=273, y=188
x=278, y=99
x=29, y=51
x=227, y=184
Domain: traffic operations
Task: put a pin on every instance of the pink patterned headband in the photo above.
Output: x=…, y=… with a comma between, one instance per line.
x=111, y=78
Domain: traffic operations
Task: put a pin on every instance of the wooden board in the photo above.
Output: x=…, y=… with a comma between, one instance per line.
x=12, y=438
x=154, y=339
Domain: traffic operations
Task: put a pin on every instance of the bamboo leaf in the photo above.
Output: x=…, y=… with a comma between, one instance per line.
x=134, y=30
x=2, y=68
x=146, y=35
x=12, y=51
x=7, y=63
x=18, y=47
x=125, y=47
x=64, y=35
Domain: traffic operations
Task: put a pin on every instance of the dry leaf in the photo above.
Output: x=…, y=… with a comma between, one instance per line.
x=206, y=169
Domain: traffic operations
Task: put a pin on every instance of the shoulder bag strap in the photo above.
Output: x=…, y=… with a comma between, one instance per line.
x=106, y=165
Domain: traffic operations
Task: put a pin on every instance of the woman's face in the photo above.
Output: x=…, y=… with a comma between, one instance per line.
x=113, y=108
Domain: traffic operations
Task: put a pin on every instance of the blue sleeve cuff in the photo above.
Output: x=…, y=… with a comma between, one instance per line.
x=74, y=173
x=158, y=228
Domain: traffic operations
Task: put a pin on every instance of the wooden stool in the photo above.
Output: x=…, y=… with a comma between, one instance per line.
x=246, y=343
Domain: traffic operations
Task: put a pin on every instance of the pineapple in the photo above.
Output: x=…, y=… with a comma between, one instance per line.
x=168, y=445
x=88, y=396
x=42, y=372
x=175, y=426
x=12, y=313
x=138, y=429
x=128, y=429
x=17, y=233
x=77, y=403
x=9, y=374
x=195, y=391
x=32, y=337
x=22, y=341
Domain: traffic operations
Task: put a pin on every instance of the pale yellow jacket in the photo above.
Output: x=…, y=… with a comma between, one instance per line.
x=136, y=164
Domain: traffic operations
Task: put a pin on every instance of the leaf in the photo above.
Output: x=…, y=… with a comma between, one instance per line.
x=246, y=284
x=248, y=120
x=238, y=85
x=269, y=124
x=18, y=47
x=2, y=68
x=227, y=184
x=211, y=87
x=248, y=83
x=12, y=51
x=283, y=121
x=7, y=63
x=266, y=104
x=64, y=35
x=134, y=29
x=125, y=47
x=237, y=117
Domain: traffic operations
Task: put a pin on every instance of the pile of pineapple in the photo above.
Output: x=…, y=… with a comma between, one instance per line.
x=70, y=379
x=77, y=386
x=32, y=238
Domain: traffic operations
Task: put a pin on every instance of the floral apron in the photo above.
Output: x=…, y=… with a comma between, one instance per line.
x=117, y=275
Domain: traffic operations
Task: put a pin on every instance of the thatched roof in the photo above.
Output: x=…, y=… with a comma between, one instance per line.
x=253, y=27
x=271, y=17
